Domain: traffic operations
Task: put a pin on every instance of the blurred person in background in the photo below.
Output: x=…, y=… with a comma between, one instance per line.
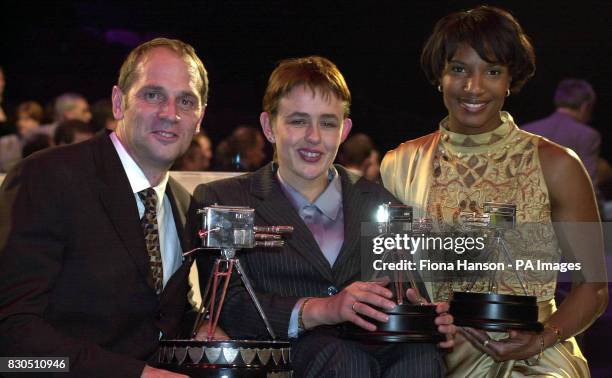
x=2, y=84
x=102, y=115
x=192, y=160
x=206, y=148
x=29, y=116
x=567, y=126
x=68, y=106
x=359, y=156
x=250, y=146
x=72, y=131
x=6, y=127
x=243, y=151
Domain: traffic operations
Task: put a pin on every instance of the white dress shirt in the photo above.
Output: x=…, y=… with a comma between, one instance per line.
x=170, y=246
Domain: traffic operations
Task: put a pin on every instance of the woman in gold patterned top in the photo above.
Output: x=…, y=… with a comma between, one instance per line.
x=477, y=59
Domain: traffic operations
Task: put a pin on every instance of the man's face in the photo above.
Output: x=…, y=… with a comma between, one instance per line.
x=161, y=111
x=80, y=111
x=307, y=131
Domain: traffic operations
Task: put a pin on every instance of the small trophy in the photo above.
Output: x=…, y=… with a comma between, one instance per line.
x=492, y=311
x=229, y=228
x=408, y=323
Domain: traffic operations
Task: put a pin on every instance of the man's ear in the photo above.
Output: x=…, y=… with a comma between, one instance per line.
x=347, y=124
x=266, y=126
x=197, y=129
x=117, y=101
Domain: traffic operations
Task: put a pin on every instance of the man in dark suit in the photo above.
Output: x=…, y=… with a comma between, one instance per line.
x=92, y=234
x=315, y=282
x=567, y=126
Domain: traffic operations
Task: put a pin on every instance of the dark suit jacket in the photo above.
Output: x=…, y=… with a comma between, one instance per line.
x=73, y=263
x=566, y=131
x=281, y=276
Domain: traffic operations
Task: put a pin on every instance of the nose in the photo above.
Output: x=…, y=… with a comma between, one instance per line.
x=474, y=84
x=313, y=134
x=168, y=110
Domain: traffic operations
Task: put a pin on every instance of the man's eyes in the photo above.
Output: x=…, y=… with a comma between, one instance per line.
x=303, y=122
x=187, y=103
x=154, y=96
x=297, y=122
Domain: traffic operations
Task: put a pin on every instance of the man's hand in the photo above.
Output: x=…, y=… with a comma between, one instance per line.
x=202, y=333
x=151, y=372
x=444, y=320
x=353, y=302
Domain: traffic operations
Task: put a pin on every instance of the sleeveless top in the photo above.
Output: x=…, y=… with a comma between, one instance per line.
x=499, y=166
x=444, y=173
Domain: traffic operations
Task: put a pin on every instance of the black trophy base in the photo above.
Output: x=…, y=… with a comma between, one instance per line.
x=495, y=312
x=407, y=323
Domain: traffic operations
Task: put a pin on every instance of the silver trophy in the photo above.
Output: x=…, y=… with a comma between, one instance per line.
x=408, y=323
x=230, y=228
x=492, y=311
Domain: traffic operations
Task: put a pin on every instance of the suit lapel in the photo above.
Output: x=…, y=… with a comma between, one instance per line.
x=118, y=201
x=179, y=209
x=355, y=200
x=272, y=206
x=181, y=202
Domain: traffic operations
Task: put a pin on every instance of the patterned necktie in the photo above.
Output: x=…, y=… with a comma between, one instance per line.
x=151, y=236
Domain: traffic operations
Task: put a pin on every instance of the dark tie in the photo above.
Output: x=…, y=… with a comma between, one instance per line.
x=151, y=235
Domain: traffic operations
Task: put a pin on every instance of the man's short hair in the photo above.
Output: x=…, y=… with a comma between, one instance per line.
x=65, y=103
x=495, y=35
x=127, y=73
x=314, y=73
x=356, y=149
x=66, y=130
x=572, y=93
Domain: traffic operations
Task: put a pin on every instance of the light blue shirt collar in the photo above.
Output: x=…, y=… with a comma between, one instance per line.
x=329, y=202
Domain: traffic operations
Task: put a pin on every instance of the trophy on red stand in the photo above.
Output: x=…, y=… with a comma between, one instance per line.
x=228, y=229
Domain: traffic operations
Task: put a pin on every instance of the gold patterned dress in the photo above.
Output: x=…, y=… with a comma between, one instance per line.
x=445, y=174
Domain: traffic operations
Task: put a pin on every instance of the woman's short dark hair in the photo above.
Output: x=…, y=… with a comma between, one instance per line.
x=494, y=33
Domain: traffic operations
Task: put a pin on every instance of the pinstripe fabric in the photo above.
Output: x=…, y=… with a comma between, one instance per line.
x=282, y=276
x=321, y=353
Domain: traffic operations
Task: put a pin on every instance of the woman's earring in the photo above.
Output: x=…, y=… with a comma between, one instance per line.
x=440, y=88
x=508, y=92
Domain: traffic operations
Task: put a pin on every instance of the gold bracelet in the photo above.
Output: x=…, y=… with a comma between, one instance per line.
x=301, y=312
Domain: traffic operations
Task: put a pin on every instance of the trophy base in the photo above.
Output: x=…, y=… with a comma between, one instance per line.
x=226, y=358
x=495, y=312
x=407, y=323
